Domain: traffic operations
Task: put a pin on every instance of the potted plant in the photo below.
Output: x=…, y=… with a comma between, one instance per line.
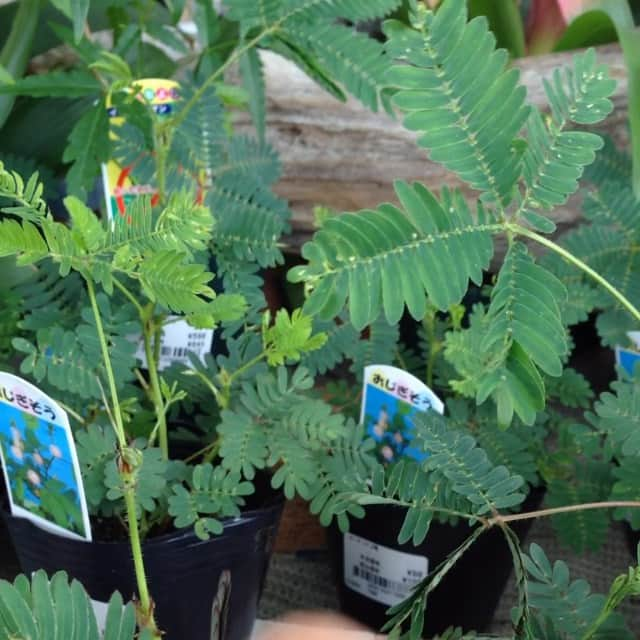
x=468, y=111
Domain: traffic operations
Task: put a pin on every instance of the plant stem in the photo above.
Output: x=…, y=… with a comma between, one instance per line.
x=148, y=620
x=569, y=257
x=217, y=73
x=129, y=496
x=149, y=332
x=543, y=513
x=212, y=446
x=118, y=423
x=245, y=367
x=128, y=295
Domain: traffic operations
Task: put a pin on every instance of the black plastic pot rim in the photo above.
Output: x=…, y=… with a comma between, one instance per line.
x=185, y=535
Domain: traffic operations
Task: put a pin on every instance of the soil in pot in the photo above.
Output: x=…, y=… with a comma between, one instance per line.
x=188, y=577
x=373, y=571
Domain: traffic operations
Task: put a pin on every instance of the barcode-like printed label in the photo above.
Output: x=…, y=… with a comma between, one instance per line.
x=179, y=339
x=381, y=573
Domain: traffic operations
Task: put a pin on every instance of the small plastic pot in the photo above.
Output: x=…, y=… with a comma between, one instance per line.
x=187, y=576
x=371, y=568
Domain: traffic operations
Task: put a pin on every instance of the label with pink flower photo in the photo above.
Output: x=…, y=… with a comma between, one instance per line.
x=390, y=398
x=39, y=460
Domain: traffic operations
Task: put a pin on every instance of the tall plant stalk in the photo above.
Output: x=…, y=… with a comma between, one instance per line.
x=127, y=471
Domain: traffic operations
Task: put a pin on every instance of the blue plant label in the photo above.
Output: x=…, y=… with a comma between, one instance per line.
x=390, y=398
x=39, y=460
x=629, y=359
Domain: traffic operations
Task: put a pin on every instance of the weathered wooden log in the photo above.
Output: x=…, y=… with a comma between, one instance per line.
x=346, y=157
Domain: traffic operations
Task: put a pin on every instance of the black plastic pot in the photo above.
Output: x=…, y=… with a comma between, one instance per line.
x=469, y=593
x=183, y=571
x=633, y=539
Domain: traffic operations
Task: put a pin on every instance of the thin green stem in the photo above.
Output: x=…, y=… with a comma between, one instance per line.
x=146, y=608
x=184, y=112
x=130, y=503
x=212, y=446
x=118, y=423
x=128, y=295
x=569, y=257
x=365, y=499
x=149, y=333
x=245, y=367
x=544, y=513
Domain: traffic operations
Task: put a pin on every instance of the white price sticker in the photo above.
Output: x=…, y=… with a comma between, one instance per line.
x=381, y=573
x=178, y=339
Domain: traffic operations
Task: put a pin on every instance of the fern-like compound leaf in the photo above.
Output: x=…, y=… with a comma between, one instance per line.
x=244, y=443
x=385, y=258
x=627, y=487
x=618, y=416
x=55, y=607
x=555, y=158
x=248, y=224
x=363, y=76
x=168, y=279
x=341, y=340
x=610, y=164
x=22, y=240
x=211, y=494
x=466, y=466
x=569, y=605
x=582, y=530
x=456, y=93
x=23, y=200
x=88, y=147
x=526, y=291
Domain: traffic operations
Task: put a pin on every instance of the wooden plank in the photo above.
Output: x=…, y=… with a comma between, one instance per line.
x=346, y=157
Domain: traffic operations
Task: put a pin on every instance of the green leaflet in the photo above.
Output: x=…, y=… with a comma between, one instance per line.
x=59, y=84
x=24, y=200
x=253, y=80
x=583, y=530
x=334, y=45
x=525, y=291
x=488, y=487
x=310, y=33
x=212, y=493
x=570, y=605
x=55, y=608
x=88, y=146
x=618, y=416
x=555, y=158
x=179, y=285
x=385, y=258
x=456, y=93
x=264, y=13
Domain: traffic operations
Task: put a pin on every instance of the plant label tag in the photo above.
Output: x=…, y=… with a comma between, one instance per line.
x=380, y=573
x=120, y=189
x=634, y=336
x=390, y=398
x=39, y=460
x=178, y=339
x=627, y=359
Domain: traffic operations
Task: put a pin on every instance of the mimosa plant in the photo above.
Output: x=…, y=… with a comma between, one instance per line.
x=469, y=111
